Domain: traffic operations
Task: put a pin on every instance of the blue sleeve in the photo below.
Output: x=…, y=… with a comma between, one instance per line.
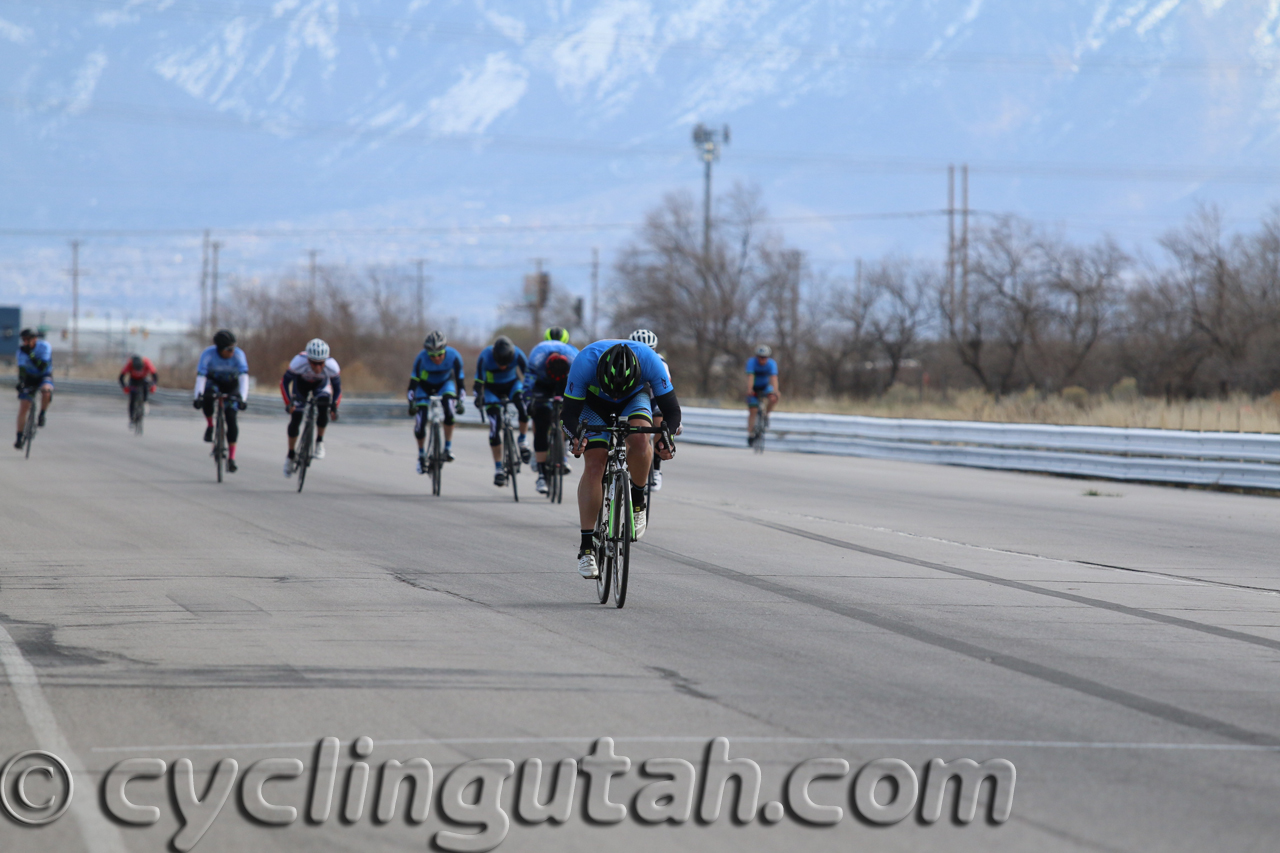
x=242, y=362
x=773, y=367
x=581, y=375
x=202, y=368
x=337, y=387
x=479, y=380
x=750, y=368
x=654, y=372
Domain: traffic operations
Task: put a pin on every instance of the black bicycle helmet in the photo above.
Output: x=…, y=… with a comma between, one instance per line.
x=557, y=366
x=435, y=342
x=136, y=362
x=223, y=339
x=503, y=350
x=27, y=334
x=618, y=372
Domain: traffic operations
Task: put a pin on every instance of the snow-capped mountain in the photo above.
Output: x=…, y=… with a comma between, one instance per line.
x=341, y=121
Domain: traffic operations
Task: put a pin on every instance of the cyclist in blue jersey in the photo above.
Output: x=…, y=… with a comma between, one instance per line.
x=437, y=372
x=608, y=381
x=549, y=364
x=35, y=373
x=763, y=382
x=223, y=368
x=497, y=379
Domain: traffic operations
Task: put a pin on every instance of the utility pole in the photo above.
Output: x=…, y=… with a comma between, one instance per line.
x=951, y=241
x=204, y=286
x=75, y=302
x=964, y=240
x=537, y=289
x=708, y=142
x=595, y=291
x=213, y=275
x=422, y=311
x=313, y=253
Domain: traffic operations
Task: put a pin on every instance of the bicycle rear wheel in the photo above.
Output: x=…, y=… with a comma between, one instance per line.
x=621, y=535
x=435, y=458
x=603, y=546
x=555, y=469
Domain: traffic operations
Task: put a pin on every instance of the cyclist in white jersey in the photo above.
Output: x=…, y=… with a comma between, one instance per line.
x=311, y=371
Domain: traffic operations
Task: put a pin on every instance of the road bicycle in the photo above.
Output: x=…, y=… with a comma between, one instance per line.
x=510, y=450
x=757, y=435
x=137, y=408
x=220, y=402
x=435, y=444
x=554, y=466
x=307, y=441
x=615, y=525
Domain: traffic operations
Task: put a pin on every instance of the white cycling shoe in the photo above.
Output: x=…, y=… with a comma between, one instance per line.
x=288, y=467
x=655, y=481
x=639, y=521
x=318, y=453
x=587, y=565
x=541, y=485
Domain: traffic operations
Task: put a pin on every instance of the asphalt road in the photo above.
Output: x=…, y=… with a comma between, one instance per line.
x=1119, y=649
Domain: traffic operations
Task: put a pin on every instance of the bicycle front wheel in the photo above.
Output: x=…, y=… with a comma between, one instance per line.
x=511, y=461
x=304, y=452
x=220, y=440
x=435, y=458
x=30, y=430
x=622, y=537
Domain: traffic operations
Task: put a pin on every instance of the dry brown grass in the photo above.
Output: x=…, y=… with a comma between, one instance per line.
x=1239, y=413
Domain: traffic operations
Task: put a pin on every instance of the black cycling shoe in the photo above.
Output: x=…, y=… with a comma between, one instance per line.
x=208, y=434
x=499, y=478
x=40, y=420
x=231, y=466
x=448, y=455
x=17, y=445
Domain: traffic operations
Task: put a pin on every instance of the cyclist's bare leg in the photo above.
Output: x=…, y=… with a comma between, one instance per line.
x=591, y=486
x=639, y=454
x=23, y=406
x=751, y=420
x=773, y=401
x=448, y=433
x=46, y=397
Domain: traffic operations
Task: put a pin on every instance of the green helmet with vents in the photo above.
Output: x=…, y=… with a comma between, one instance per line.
x=556, y=333
x=618, y=372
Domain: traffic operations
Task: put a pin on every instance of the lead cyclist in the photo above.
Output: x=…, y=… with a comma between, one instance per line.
x=607, y=383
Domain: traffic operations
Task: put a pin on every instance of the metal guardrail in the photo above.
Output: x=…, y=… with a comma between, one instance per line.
x=1151, y=455
x=1244, y=460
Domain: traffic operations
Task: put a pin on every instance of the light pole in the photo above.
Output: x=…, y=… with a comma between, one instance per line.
x=708, y=141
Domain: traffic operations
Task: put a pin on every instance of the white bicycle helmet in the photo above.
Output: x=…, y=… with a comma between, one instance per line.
x=764, y=351
x=317, y=350
x=645, y=337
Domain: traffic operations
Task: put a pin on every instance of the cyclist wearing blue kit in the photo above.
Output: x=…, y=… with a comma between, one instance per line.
x=549, y=364
x=763, y=382
x=437, y=372
x=224, y=369
x=606, y=383
x=497, y=379
x=35, y=373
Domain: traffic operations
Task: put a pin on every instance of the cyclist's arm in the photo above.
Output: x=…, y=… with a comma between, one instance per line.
x=570, y=413
x=337, y=390
x=201, y=379
x=286, y=383
x=670, y=408
x=244, y=387
x=120, y=378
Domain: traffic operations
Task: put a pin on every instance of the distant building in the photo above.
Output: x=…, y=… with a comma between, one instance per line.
x=114, y=337
x=10, y=325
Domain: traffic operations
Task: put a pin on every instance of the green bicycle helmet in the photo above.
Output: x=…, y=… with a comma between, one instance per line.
x=556, y=333
x=618, y=372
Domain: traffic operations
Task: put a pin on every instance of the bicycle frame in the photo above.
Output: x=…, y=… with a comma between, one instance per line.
x=435, y=456
x=307, y=442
